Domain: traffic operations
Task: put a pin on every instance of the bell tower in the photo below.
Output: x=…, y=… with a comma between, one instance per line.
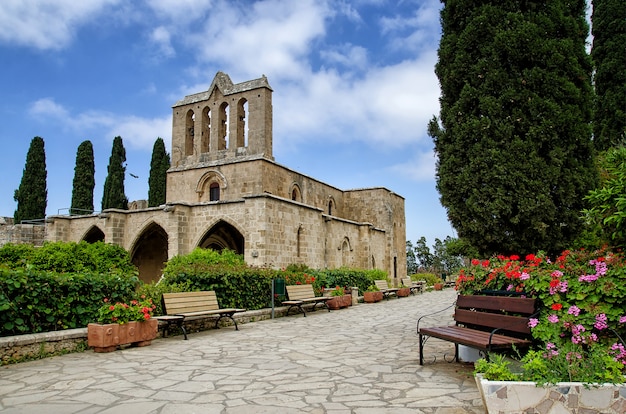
x=228, y=121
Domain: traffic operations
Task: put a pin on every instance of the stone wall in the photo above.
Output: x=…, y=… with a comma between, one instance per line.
x=21, y=233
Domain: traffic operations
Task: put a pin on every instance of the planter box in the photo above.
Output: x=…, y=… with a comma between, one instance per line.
x=106, y=338
x=338, y=302
x=405, y=291
x=565, y=397
x=372, y=297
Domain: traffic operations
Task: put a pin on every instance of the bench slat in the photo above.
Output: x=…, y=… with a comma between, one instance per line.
x=473, y=338
x=498, y=303
x=510, y=323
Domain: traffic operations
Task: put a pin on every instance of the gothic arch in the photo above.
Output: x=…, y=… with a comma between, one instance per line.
x=204, y=184
x=205, y=145
x=222, y=124
x=149, y=252
x=346, y=249
x=299, y=240
x=190, y=120
x=242, y=130
x=223, y=235
x=94, y=234
x=296, y=193
x=332, y=206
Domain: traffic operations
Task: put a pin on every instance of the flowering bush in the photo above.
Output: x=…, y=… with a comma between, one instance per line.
x=583, y=312
x=337, y=291
x=122, y=313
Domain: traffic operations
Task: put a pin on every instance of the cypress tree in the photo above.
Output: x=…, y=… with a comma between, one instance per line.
x=609, y=58
x=113, y=195
x=84, y=180
x=32, y=194
x=157, y=182
x=513, y=139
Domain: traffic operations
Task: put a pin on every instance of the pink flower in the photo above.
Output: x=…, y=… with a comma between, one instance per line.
x=532, y=322
x=524, y=276
x=622, y=319
x=601, y=322
x=574, y=310
x=553, y=318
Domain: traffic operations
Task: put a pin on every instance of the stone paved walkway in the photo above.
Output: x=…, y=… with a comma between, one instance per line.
x=360, y=360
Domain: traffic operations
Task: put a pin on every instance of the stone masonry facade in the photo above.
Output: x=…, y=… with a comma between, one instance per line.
x=225, y=190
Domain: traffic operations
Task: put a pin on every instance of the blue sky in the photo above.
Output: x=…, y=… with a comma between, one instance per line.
x=354, y=87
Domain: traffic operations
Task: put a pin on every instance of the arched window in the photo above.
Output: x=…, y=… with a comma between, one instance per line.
x=299, y=240
x=222, y=139
x=206, y=130
x=214, y=192
x=242, y=131
x=296, y=194
x=189, y=132
x=331, y=206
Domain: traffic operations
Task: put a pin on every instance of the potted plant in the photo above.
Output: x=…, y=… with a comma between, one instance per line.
x=580, y=357
x=372, y=294
x=338, y=298
x=438, y=285
x=121, y=323
x=403, y=291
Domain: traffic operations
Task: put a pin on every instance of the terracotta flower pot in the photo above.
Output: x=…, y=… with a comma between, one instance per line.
x=405, y=291
x=438, y=286
x=347, y=300
x=335, y=303
x=106, y=338
x=372, y=297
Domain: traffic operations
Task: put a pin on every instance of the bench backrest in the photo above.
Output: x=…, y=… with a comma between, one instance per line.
x=299, y=292
x=381, y=284
x=509, y=313
x=407, y=282
x=184, y=302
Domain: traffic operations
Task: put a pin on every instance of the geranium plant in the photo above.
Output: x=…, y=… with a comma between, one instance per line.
x=121, y=313
x=337, y=291
x=583, y=314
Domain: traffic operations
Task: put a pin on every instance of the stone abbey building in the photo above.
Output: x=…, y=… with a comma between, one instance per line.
x=224, y=190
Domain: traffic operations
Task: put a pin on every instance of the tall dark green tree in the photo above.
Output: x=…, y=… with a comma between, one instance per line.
x=113, y=196
x=609, y=58
x=513, y=139
x=84, y=180
x=32, y=194
x=157, y=182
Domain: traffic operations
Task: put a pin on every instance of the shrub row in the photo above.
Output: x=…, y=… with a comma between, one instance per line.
x=34, y=301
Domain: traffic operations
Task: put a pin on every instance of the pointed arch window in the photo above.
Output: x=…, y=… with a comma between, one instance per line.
x=214, y=192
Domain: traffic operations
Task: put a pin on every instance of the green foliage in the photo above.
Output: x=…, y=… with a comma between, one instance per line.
x=202, y=260
x=33, y=301
x=84, y=180
x=337, y=291
x=157, y=182
x=607, y=204
x=113, y=195
x=121, y=312
x=154, y=291
x=372, y=288
x=513, y=138
x=430, y=278
x=15, y=256
x=32, y=194
x=497, y=369
x=609, y=40
x=71, y=257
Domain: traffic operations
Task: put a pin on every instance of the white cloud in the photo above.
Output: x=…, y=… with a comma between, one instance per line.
x=420, y=168
x=391, y=105
x=347, y=55
x=137, y=132
x=46, y=24
x=161, y=37
x=272, y=36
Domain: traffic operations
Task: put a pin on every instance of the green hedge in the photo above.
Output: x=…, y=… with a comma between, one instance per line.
x=34, y=301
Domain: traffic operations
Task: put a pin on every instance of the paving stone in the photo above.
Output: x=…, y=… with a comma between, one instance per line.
x=359, y=360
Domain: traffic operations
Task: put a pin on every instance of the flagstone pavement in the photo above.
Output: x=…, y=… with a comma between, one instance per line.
x=358, y=360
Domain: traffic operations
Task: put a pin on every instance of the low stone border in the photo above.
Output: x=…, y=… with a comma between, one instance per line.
x=39, y=345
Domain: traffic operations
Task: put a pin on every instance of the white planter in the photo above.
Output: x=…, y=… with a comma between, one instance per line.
x=467, y=354
x=519, y=396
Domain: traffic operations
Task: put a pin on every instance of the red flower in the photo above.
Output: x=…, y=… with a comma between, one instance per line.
x=475, y=262
x=557, y=306
x=554, y=283
x=514, y=257
x=111, y=307
x=485, y=263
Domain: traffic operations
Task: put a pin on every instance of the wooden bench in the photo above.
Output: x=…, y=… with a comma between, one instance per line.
x=414, y=286
x=184, y=306
x=384, y=287
x=300, y=295
x=486, y=323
